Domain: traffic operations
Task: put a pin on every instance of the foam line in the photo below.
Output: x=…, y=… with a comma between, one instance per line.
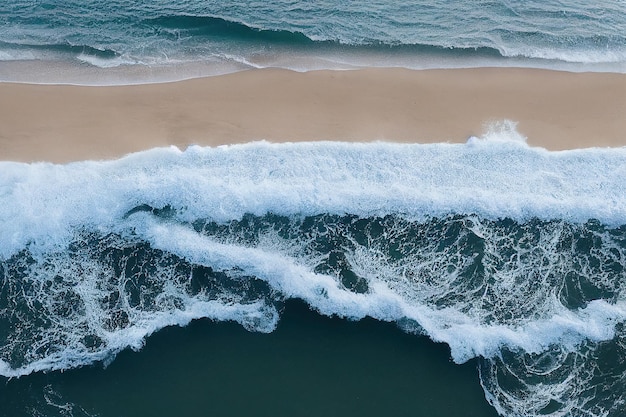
x=44, y=203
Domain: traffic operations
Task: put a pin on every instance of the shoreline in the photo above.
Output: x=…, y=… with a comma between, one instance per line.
x=555, y=110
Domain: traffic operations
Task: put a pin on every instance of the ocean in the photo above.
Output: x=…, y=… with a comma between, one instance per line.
x=511, y=258
x=313, y=279
x=121, y=42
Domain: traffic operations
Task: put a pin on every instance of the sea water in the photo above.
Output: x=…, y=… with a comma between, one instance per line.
x=511, y=256
x=104, y=42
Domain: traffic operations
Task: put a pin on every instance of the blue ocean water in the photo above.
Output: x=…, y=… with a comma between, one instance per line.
x=511, y=256
x=200, y=37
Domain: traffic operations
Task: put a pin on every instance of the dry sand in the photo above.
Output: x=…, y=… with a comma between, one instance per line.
x=556, y=110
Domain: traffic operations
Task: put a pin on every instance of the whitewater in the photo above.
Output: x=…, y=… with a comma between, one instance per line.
x=508, y=253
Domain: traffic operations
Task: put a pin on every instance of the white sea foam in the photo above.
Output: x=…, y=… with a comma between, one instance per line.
x=254, y=316
x=16, y=55
x=105, y=62
x=580, y=56
x=43, y=203
x=42, y=206
x=465, y=335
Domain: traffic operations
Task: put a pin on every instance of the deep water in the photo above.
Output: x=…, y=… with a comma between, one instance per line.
x=310, y=366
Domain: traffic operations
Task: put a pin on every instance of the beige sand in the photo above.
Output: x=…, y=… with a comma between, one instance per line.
x=556, y=110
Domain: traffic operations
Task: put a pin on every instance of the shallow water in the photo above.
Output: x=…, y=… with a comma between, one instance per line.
x=99, y=41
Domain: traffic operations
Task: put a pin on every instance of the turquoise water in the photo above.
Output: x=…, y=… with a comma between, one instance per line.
x=161, y=39
x=510, y=258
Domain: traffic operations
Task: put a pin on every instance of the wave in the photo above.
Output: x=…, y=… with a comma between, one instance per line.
x=181, y=38
x=499, y=42
x=181, y=26
x=196, y=29
x=61, y=49
x=489, y=177
x=86, y=54
x=508, y=253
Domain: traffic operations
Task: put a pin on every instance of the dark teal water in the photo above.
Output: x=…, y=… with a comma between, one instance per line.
x=310, y=366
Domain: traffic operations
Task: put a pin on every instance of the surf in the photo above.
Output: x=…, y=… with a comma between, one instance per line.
x=496, y=248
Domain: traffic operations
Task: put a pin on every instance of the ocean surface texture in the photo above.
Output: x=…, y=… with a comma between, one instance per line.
x=164, y=39
x=511, y=256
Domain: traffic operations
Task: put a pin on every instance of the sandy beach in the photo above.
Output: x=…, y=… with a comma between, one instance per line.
x=555, y=110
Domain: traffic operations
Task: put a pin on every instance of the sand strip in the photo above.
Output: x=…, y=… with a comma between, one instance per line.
x=556, y=110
